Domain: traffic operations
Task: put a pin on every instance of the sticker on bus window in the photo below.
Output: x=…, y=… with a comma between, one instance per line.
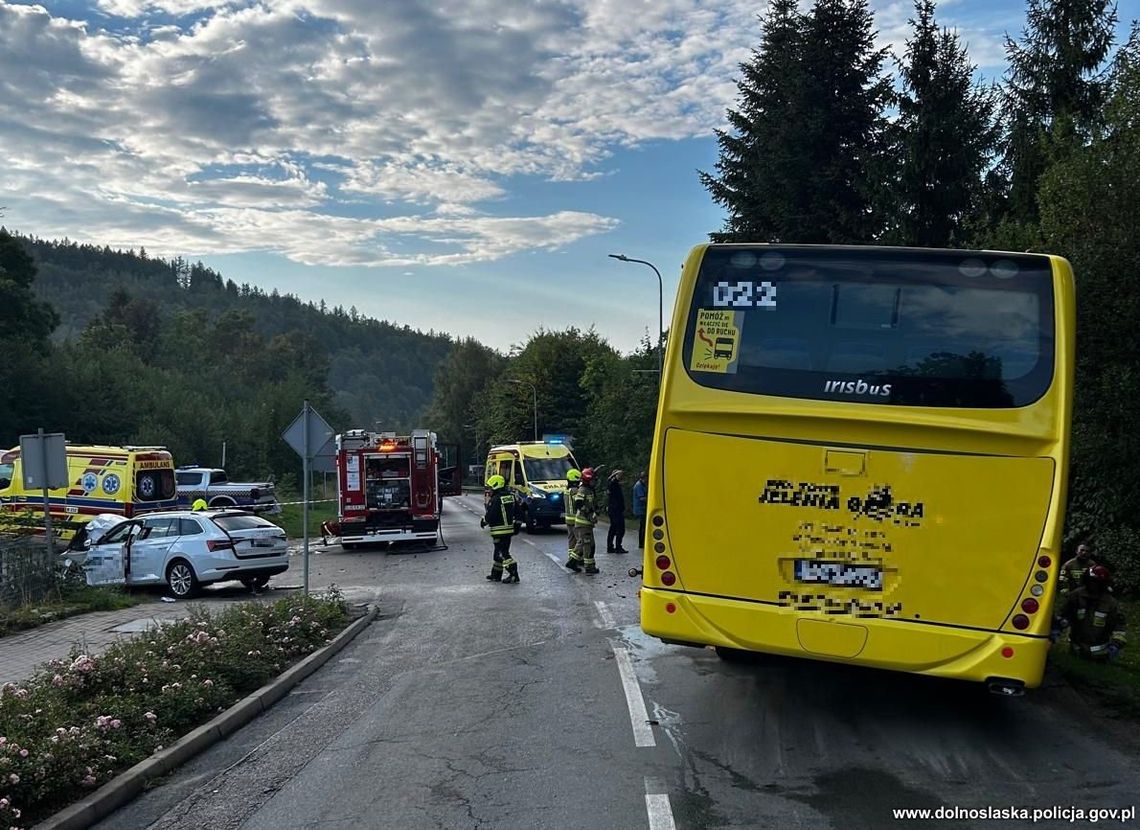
x=716, y=344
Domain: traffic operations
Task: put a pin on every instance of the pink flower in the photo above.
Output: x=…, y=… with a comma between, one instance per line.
x=89, y=781
x=57, y=680
x=23, y=753
x=4, y=803
x=3, y=740
x=208, y=683
x=151, y=716
x=13, y=779
x=83, y=664
x=116, y=723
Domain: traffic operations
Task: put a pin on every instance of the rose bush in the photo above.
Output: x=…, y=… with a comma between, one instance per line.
x=80, y=721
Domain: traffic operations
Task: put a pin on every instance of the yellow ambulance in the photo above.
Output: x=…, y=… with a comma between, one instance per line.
x=536, y=473
x=127, y=481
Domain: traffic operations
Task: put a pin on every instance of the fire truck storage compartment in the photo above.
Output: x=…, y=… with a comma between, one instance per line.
x=387, y=482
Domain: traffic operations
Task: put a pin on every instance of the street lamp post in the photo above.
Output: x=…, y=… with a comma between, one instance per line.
x=660, y=311
x=534, y=391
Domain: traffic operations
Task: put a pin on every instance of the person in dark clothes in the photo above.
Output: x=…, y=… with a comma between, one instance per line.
x=640, y=502
x=615, y=507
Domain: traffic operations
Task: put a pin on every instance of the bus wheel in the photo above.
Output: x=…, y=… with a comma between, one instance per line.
x=733, y=655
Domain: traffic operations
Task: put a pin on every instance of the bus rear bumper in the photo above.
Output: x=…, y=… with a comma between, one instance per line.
x=898, y=645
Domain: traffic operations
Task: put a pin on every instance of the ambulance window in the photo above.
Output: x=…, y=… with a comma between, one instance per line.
x=6, y=475
x=519, y=479
x=505, y=469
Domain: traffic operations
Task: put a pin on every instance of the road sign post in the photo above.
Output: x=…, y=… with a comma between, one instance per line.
x=44, y=457
x=311, y=437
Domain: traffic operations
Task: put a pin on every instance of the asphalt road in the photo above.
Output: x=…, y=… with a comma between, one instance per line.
x=475, y=705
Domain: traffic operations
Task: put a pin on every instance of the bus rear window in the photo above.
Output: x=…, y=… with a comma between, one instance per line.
x=873, y=325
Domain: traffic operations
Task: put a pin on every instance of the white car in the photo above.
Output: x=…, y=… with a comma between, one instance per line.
x=186, y=549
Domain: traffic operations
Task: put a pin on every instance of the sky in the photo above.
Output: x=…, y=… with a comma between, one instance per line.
x=462, y=166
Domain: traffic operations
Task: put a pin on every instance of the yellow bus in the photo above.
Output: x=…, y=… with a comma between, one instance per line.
x=861, y=456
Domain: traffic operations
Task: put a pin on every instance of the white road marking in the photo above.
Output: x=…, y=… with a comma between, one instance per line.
x=606, y=615
x=660, y=811
x=638, y=717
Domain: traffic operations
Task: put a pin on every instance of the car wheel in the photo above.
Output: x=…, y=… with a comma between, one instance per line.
x=181, y=579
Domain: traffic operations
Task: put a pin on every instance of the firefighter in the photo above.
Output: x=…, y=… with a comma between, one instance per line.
x=1073, y=571
x=1094, y=617
x=573, y=479
x=199, y=504
x=500, y=520
x=585, y=517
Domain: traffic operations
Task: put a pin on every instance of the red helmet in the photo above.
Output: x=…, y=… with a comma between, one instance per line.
x=1098, y=574
x=588, y=475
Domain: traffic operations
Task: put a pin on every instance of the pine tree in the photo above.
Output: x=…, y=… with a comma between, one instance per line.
x=1055, y=90
x=757, y=157
x=946, y=137
x=802, y=161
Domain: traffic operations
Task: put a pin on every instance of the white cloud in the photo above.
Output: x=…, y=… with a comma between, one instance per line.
x=349, y=131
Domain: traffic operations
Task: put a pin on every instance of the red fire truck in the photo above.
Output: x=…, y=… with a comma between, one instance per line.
x=388, y=487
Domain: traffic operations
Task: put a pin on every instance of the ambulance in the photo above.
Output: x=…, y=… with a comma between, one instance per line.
x=536, y=473
x=125, y=481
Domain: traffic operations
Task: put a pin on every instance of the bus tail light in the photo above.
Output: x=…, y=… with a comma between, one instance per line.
x=1044, y=561
x=1029, y=605
x=1020, y=622
x=670, y=608
x=668, y=578
x=1007, y=652
x=663, y=563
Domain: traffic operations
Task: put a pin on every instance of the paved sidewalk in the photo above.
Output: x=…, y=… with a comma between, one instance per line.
x=21, y=653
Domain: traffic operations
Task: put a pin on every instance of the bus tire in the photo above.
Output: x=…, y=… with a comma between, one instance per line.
x=181, y=579
x=733, y=655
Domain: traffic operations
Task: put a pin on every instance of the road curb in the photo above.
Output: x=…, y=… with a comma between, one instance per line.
x=128, y=784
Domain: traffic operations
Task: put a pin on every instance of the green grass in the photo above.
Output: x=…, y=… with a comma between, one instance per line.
x=1116, y=684
x=290, y=518
x=74, y=601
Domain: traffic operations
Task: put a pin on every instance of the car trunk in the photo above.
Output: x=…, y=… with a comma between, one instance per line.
x=871, y=532
x=254, y=537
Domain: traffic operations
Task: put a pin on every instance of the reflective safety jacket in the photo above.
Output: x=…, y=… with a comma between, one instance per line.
x=1095, y=622
x=500, y=515
x=585, y=506
x=568, y=504
x=1071, y=573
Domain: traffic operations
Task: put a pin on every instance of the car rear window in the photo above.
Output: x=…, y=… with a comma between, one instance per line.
x=873, y=325
x=228, y=523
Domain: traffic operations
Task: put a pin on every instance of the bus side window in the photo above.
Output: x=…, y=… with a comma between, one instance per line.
x=520, y=480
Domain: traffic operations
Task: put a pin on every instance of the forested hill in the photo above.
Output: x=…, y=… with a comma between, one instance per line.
x=376, y=370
